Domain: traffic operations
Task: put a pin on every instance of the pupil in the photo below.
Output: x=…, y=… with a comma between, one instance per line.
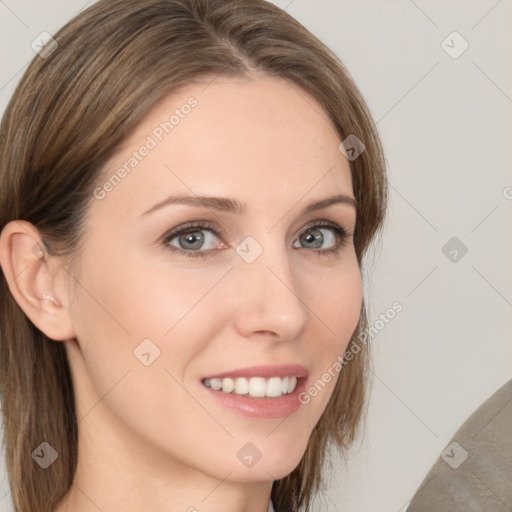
x=316, y=240
x=195, y=240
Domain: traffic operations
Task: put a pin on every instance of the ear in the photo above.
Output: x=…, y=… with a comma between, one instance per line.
x=31, y=274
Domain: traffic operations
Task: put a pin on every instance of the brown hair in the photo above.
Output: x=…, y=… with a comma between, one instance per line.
x=69, y=113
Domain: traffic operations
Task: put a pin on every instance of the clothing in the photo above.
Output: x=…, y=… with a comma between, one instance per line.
x=270, y=506
x=474, y=472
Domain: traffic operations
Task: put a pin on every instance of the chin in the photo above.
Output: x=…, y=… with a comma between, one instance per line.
x=263, y=473
x=273, y=464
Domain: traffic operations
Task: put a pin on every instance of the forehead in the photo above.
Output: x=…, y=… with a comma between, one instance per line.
x=261, y=139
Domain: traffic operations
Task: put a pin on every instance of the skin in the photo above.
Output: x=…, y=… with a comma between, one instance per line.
x=150, y=437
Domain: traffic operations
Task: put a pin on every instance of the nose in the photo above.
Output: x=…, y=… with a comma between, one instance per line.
x=268, y=298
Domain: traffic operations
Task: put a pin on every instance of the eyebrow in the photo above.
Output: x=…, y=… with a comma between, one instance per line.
x=229, y=205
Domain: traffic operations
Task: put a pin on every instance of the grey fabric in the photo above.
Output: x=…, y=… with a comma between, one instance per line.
x=474, y=471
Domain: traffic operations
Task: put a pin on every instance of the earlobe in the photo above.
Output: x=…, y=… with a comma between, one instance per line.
x=32, y=280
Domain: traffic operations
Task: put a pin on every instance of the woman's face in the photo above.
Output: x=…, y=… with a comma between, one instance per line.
x=234, y=289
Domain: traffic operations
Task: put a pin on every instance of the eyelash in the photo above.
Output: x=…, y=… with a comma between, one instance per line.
x=342, y=235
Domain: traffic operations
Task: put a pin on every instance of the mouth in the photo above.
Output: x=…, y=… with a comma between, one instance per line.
x=259, y=391
x=255, y=387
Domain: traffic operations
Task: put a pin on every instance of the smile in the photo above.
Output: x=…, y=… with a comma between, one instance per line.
x=255, y=387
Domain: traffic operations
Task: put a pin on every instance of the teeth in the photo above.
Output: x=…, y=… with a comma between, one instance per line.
x=256, y=387
x=292, y=384
x=275, y=386
x=284, y=384
x=241, y=386
x=228, y=385
x=216, y=384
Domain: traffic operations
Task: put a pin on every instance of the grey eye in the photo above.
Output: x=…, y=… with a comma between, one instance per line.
x=314, y=238
x=194, y=240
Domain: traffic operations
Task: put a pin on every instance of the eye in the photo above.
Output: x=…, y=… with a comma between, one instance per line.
x=193, y=239
x=328, y=237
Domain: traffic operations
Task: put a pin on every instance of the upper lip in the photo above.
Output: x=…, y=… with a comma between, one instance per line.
x=265, y=371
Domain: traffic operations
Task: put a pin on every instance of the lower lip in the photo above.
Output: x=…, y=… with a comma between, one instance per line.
x=263, y=407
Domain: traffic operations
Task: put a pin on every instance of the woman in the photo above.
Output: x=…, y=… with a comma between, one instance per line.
x=188, y=188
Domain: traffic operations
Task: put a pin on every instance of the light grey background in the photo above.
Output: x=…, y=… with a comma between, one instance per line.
x=446, y=125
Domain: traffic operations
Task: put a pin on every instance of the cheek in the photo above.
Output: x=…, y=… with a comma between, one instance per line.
x=336, y=308
x=145, y=298
x=112, y=318
x=335, y=302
